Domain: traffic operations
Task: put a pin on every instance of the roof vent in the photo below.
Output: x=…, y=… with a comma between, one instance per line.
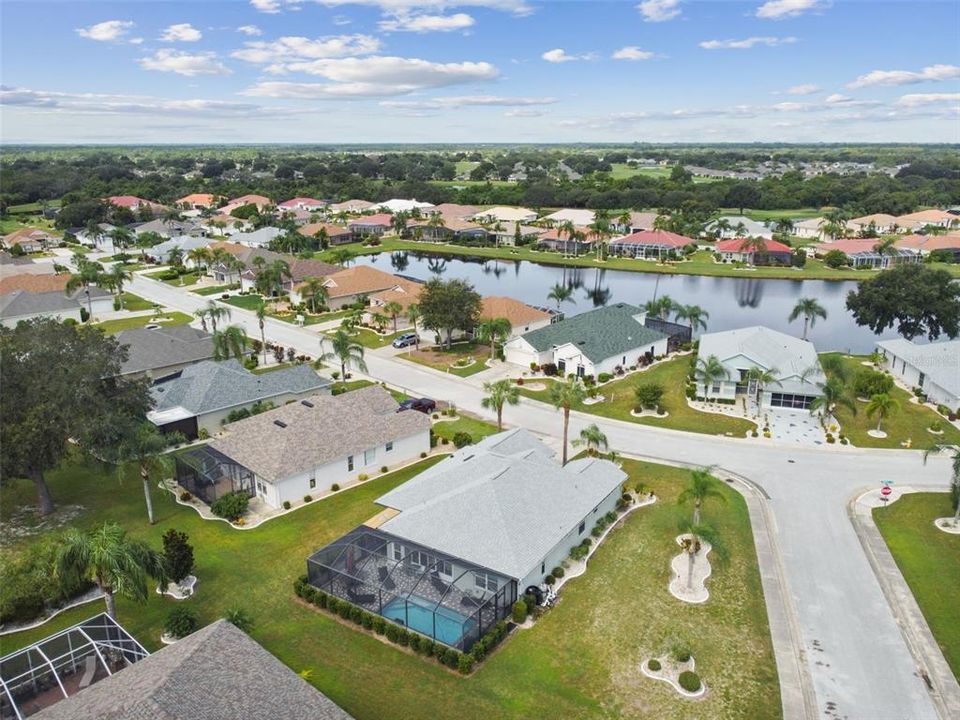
x=279, y=423
x=306, y=403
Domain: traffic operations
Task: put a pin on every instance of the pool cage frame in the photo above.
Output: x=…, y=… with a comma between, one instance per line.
x=209, y=474
x=363, y=568
x=93, y=649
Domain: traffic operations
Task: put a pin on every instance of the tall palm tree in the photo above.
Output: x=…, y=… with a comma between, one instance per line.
x=413, y=315
x=393, y=308
x=694, y=535
x=600, y=228
x=88, y=273
x=695, y=316
x=120, y=237
x=701, y=487
x=592, y=438
x=763, y=377
x=810, y=309
x=315, y=292
x=94, y=232
x=954, y=477
x=498, y=394
x=175, y=257
x=754, y=246
x=493, y=331
x=117, y=564
x=200, y=257
x=115, y=277
x=624, y=220
x=885, y=247
x=710, y=370
x=345, y=350
x=229, y=342
x=261, y=311
x=565, y=395
x=784, y=226
x=661, y=307
x=560, y=293
x=215, y=313
x=882, y=405
x=145, y=447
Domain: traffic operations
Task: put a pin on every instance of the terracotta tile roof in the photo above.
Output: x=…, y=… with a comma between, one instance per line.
x=378, y=219
x=304, y=201
x=34, y=283
x=257, y=200
x=929, y=243
x=127, y=201
x=880, y=219
x=28, y=234
x=453, y=211
x=736, y=245
x=928, y=216
x=405, y=293
x=518, y=313
x=303, y=269
x=333, y=230
x=849, y=246
x=204, y=199
x=359, y=280
x=654, y=238
x=350, y=205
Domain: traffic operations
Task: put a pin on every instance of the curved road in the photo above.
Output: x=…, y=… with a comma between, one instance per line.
x=852, y=648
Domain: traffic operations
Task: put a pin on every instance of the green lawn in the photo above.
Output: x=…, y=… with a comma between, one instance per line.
x=909, y=422
x=34, y=207
x=672, y=375
x=776, y=214
x=244, y=302
x=312, y=319
x=474, y=427
x=215, y=289
x=134, y=303
x=169, y=319
x=370, y=339
x=580, y=661
x=465, y=167
x=189, y=278
x=930, y=562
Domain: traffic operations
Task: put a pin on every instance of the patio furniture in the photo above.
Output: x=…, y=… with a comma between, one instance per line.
x=360, y=598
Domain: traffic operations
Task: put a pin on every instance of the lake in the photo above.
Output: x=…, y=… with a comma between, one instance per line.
x=731, y=302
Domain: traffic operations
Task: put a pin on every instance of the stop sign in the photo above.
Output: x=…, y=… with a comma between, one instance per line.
x=885, y=491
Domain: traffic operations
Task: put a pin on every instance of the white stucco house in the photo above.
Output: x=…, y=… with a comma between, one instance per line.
x=594, y=342
x=934, y=367
x=795, y=362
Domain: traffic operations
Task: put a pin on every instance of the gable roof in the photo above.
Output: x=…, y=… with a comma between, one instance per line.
x=380, y=219
x=163, y=346
x=790, y=355
x=503, y=503
x=311, y=229
x=216, y=673
x=405, y=292
x=518, y=313
x=21, y=303
x=403, y=205
x=263, y=236
x=654, y=238
x=357, y=280
x=34, y=283
x=245, y=253
x=301, y=269
x=329, y=428
x=937, y=360
x=737, y=245
x=599, y=334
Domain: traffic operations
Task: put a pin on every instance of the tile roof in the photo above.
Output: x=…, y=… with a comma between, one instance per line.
x=205, y=199
x=518, y=313
x=879, y=219
x=737, y=245
x=128, y=201
x=333, y=428
x=34, y=283
x=217, y=673
x=508, y=214
x=654, y=238
x=851, y=246
x=163, y=346
x=574, y=215
x=385, y=219
x=35, y=234
x=21, y=303
x=451, y=211
x=929, y=243
x=405, y=293
x=361, y=279
x=928, y=216
x=350, y=205
x=333, y=230
x=599, y=334
x=302, y=269
x=503, y=503
x=791, y=356
x=257, y=200
x=301, y=202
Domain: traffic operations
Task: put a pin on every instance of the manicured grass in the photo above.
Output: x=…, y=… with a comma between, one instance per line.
x=244, y=302
x=775, y=214
x=910, y=421
x=474, y=427
x=672, y=375
x=370, y=339
x=33, y=207
x=312, y=319
x=580, y=661
x=169, y=319
x=134, y=303
x=445, y=360
x=214, y=290
x=189, y=278
x=930, y=562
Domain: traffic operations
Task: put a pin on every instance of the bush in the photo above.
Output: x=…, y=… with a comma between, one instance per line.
x=308, y=498
x=451, y=658
x=423, y=455
x=835, y=259
x=231, y=506
x=379, y=625
x=557, y=572
x=185, y=496
x=653, y=664
x=27, y=586
x=462, y=439
x=356, y=614
x=403, y=637
x=549, y=580
x=384, y=469
x=240, y=619
x=286, y=504
x=604, y=377
x=335, y=487
x=519, y=612
x=465, y=664
x=392, y=632
x=681, y=653
x=180, y=622
x=648, y=395
x=362, y=477
x=444, y=441
x=177, y=554
x=597, y=530
x=427, y=647
x=345, y=610
x=867, y=383
x=689, y=681
x=579, y=552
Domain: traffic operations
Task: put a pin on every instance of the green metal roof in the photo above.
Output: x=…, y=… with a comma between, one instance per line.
x=600, y=333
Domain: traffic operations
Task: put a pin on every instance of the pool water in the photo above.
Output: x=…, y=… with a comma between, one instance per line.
x=419, y=615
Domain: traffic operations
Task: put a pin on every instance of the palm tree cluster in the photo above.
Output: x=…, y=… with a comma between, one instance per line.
x=213, y=313
x=663, y=307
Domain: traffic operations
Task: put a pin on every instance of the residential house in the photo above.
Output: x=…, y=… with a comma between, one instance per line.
x=862, y=252
x=649, y=244
x=428, y=229
x=84, y=237
x=583, y=218
x=747, y=351
x=169, y=228
x=160, y=253
x=198, y=201
x=397, y=205
x=202, y=395
x=371, y=225
x=215, y=673
x=506, y=215
x=919, y=220
x=27, y=295
x=811, y=229
x=158, y=352
x=749, y=251
x=926, y=244
x=599, y=341
x=932, y=367
x=878, y=223
x=405, y=293
x=349, y=285
x=222, y=272
x=300, y=270
x=30, y=240
x=737, y=226
x=302, y=203
x=257, y=238
x=336, y=234
x=556, y=238
x=10, y=265
x=349, y=206
x=452, y=211
x=638, y=221
x=261, y=202
x=455, y=546
x=523, y=318
x=307, y=448
x=134, y=203
x=506, y=233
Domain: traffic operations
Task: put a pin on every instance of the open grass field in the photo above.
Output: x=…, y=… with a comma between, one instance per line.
x=110, y=327
x=672, y=375
x=244, y=302
x=930, y=562
x=580, y=661
x=30, y=208
x=910, y=422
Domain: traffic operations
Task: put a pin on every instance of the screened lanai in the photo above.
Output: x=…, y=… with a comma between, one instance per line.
x=209, y=474
x=63, y=664
x=443, y=597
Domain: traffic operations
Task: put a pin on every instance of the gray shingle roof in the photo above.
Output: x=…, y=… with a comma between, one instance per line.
x=163, y=346
x=209, y=386
x=503, y=503
x=336, y=426
x=21, y=302
x=217, y=673
x=599, y=334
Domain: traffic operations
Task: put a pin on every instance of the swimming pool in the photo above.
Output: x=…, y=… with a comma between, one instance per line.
x=419, y=615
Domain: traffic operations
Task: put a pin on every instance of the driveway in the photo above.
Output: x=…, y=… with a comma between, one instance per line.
x=860, y=665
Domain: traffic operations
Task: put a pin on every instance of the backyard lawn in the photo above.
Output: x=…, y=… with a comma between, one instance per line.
x=910, y=421
x=930, y=562
x=580, y=661
x=672, y=375
x=168, y=319
x=439, y=358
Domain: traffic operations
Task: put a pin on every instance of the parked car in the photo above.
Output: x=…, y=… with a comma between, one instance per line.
x=424, y=405
x=404, y=340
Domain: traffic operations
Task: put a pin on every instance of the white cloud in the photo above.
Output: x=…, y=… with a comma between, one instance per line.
x=250, y=30
x=932, y=73
x=395, y=8
x=266, y=6
x=837, y=98
x=524, y=113
x=659, y=10
x=292, y=48
x=558, y=55
x=780, y=9
x=450, y=102
x=632, y=52
x=107, y=31
x=805, y=89
x=136, y=41
x=427, y=23
x=182, y=32
x=182, y=63
x=925, y=99
x=746, y=43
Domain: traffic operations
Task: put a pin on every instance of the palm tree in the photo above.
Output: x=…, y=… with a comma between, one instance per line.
x=954, y=478
x=783, y=226
x=413, y=315
x=262, y=321
x=115, y=277
x=94, y=232
x=695, y=316
x=201, y=315
x=145, y=446
x=314, y=291
x=345, y=350
x=710, y=371
x=882, y=405
x=601, y=229
x=500, y=393
x=379, y=319
x=560, y=293
x=120, y=237
x=661, y=308
x=832, y=393
x=754, y=246
x=721, y=227
x=763, y=377
x=393, y=308
x=565, y=395
x=624, y=220
x=593, y=439
x=231, y=341
x=885, y=247
x=701, y=487
x=175, y=257
x=215, y=313
x=694, y=535
x=88, y=273
x=341, y=256
x=118, y=565
x=270, y=279
x=834, y=223
x=200, y=257
x=810, y=309
x=493, y=331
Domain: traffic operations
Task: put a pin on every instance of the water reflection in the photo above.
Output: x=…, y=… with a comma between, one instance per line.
x=750, y=293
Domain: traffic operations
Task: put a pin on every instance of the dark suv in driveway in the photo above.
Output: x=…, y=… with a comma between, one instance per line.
x=424, y=405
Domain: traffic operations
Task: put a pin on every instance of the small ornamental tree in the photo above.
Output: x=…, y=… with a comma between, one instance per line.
x=180, y=623
x=177, y=554
x=648, y=395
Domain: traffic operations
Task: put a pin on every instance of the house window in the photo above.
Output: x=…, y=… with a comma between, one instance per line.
x=445, y=568
x=582, y=527
x=715, y=388
x=369, y=456
x=485, y=581
x=389, y=446
x=349, y=463
x=419, y=558
x=920, y=380
x=397, y=551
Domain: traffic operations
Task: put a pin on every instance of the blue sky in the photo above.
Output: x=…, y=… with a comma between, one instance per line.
x=479, y=71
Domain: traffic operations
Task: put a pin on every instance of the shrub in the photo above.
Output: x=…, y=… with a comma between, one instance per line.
x=180, y=622
x=653, y=664
x=177, y=554
x=451, y=658
x=689, y=681
x=27, y=584
x=379, y=625
x=231, y=506
x=830, y=439
x=557, y=572
x=943, y=409
x=321, y=599
x=403, y=637
x=356, y=614
x=423, y=455
x=240, y=619
x=610, y=517
x=936, y=426
x=835, y=259
x=681, y=653
x=465, y=663
x=520, y=381
x=462, y=439
x=308, y=498
x=335, y=487
x=286, y=504
x=549, y=580
x=597, y=530
x=444, y=441
x=392, y=632
x=362, y=477
x=333, y=604
x=414, y=642
x=427, y=646
x=185, y=496
x=384, y=469
x=579, y=552
x=519, y=612
x=84, y=314
x=648, y=395
x=203, y=434
x=345, y=610
x=604, y=377
x=867, y=383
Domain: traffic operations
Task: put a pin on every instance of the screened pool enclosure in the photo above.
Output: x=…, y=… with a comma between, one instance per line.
x=63, y=664
x=443, y=597
x=209, y=474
